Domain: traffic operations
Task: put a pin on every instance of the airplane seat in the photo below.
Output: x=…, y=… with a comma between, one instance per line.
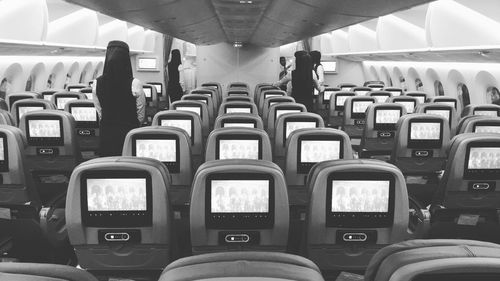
x=47, y=94
x=13, y=97
x=277, y=110
x=305, y=148
x=336, y=102
x=361, y=91
x=270, y=101
x=158, y=86
x=3, y=104
x=395, y=92
x=205, y=99
x=373, y=82
x=244, y=120
x=375, y=87
x=410, y=103
x=152, y=101
x=238, y=92
x=197, y=107
x=172, y=147
x=238, y=143
x=213, y=85
x=87, y=125
x=6, y=118
x=380, y=129
x=189, y=122
x=52, y=150
x=421, y=96
x=323, y=100
x=445, y=110
x=237, y=98
x=355, y=117
x=380, y=96
x=18, y=271
x=448, y=101
x=239, y=85
x=137, y=239
x=266, y=94
x=222, y=222
x=345, y=229
x=75, y=87
x=238, y=107
x=243, y=266
x=211, y=94
x=435, y=259
x=87, y=91
x=480, y=124
x=285, y=125
x=346, y=86
x=262, y=88
x=22, y=106
x=61, y=98
x=465, y=120
x=482, y=109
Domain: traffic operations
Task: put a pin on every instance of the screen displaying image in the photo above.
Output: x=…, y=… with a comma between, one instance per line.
x=409, y=105
x=493, y=113
x=328, y=94
x=381, y=99
x=487, y=129
x=312, y=151
x=161, y=150
x=484, y=158
x=84, y=113
x=238, y=110
x=361, y=92
x=387, y=116
x=147, y=63
x=272, y=95
x=360, y=106
x=421, y=99
x=292, y=126
x=395, y=93
x=425, y=131
x=239, y=196
x=44, y=128
x=158, y=87
x=24, y=109
x=47, y=97
x=279, y=112
x=2, y=150
x=147, y=92
x=238, y=124
x=450, y=103
x=194, y=109
x=345, y=88
x=74, y=90
x=238, y=149
x=329, y=66
x=360, y=196
x=341, y=100
x=445, y=113
x=178, y=123
x=61, y=102
x=89, y=96
x=127, y=194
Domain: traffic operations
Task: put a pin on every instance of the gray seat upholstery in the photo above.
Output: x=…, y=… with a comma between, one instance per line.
x=421, y=96
x=21, y=106
x=215, y=151
x=197, y=107
x=238, y=107
x=239, y=120
x=13, y=271
x=445, y=110
x=354, y=115
x=408, y=102
x=336, y=108
x=482, y=109
x=480, y=124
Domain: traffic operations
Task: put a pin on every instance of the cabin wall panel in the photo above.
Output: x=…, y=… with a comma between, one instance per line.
x=154, y=43
x=348, y=72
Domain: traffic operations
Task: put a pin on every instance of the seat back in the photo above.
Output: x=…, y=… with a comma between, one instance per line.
x=150, y=94
x=445, y=110
x=361, y=91
x=86, y=123
x=238, y=107
x=355, y=115
x=237, y=98
x=237, y=92
x=6, y=118
x=421, y=96
x=205, y=99
x=213, y=85
x=47, y=94
x=448, y=101
x=410, y=103
x=239, y=204
x=22, y=106
x=373, y=82
x=436, y=259
x=420, y=143
x=482, y=109
x=197, y=107
x=245, y=120
x=42, y=272
x=380, y=96
x=380, y=127
x=395, y=92
x=169, y=145
x=232, y=85
x=75, y=87
x=138, y=237
x=13, y=97
x=211, y=92
x=270, y=101
x=17, y=186
x=238, y=143
x=260, y=89
x=306, y=147
x=356, y=206
x=61, y=98
x=481, y=124
x=158, y=86
x=346, y=86
x=277, y=110
x=242, y=266
x=336, y=108
x=324, y=97
x=375, y=87
x=87, y=91
x=267, y=94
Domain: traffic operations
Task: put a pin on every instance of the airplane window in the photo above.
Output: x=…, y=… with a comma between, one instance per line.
x=82, y=76
x=402, y=82
x=438, y=88
x=29, y=83
x=50, y=80
x=493, y=95
x=463, y=94
x=4, y=88
x=419, y=85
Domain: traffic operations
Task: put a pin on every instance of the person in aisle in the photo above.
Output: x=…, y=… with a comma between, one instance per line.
x=317, y=66
x=303, y=81
x=174, y=88
x=119, y=99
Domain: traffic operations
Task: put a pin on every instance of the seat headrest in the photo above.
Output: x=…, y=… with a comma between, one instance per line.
x=289, y=122
x=237, y=119
x=42, y=271
x=383, y=116
x=482, y=109
x=480, y=124
x=66, y=126
x=249, y=142
x=238, y=107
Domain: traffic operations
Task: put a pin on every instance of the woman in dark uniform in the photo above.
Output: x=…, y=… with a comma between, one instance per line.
x=174, y=88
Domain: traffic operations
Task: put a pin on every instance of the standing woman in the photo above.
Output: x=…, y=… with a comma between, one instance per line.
x=303, y=81
x=317, y=66
x=174, y=88
x=118, y=98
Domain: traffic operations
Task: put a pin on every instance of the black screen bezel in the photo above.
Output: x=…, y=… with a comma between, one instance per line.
x=13, y=99
x=305, y=167
x=297, y=119
x=360, y=219
x=357, y=115
x=440, y=100
x=32, y=104
x=116, y=218
x=173, y=167
x=237, y=137
x=191, y=105
x=179, y=117
x=327, y=101
x=4, y=164
x=44, y=141
x=235, y=93
x=385, y=126
x=341, y=107
x=425, y=143
x=56, y=97
x=484, y=123
x=239, y=120
x=486, y=109
x=239, y=220
x=478, y=174
x=85, y=124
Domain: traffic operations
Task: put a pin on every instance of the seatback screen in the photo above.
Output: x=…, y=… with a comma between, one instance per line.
x=425, y=131
x=238, y=110
x=409, y=105
x=228, y=124
x=380, y=98
x=148, y=92
x=487, y=129
x=127, y=194
x=164, y=150
x=450, y=103
x=314, y=151
x=84, y=114
x=238, y=149
x=291, y=126
x=62, y=101
x=185, y=124
x=387, y=116
x=361, y=92
x=420, y=98
x=44, y=128
x=484, y=112
x=195, y=109
x=21, y=110
x=360, y=106
x=268, y=95
x=484, y=158
x=441, y=112
x=4, y=153
x=340, y=100
x=395, y=93
x=327, y=95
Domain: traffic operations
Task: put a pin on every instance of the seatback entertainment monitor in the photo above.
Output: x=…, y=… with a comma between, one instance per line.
x=425, y=133
x=24, y=108
x=183, y=123
x=359, y=108
x=312, y=149
x=487, y=128
x=44, y=131
x=482, y=161
x=340, y=101
x=238, y=109
x=239, y=123
x=486, y=112
x=409, y=105
x=386, y=119
x=293, y=124
x=164, y=148
x=238, y=147
x=61, y=101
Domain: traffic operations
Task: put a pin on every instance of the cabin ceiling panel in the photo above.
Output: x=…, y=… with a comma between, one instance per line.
x=266, y=23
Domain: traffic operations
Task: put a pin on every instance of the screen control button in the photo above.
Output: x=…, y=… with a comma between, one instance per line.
x=237, y=238
x=113, y=237
x=354, y=237
x=480, y=186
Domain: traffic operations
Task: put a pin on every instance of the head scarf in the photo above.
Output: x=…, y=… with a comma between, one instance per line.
x=176, y=57
x=315, y=57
